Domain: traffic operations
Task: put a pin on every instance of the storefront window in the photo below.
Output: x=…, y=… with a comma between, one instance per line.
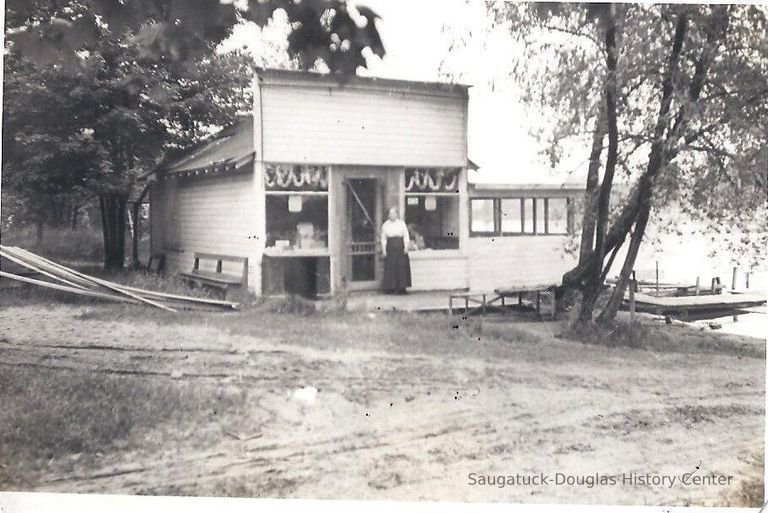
x=432, y=207
x=296, y=206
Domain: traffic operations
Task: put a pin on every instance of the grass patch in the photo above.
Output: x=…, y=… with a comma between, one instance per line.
x=644, y=334
x=57, y=414
x=32, y=294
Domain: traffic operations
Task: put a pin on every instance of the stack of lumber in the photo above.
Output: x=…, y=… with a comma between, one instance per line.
x=69, y=280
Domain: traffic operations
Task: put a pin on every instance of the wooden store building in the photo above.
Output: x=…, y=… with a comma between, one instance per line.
x=298, y=190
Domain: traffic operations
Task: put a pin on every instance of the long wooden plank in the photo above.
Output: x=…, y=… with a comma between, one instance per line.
x=32, y=259
x=64, y=288
x=105, y=284
x=22, y=263
x=525, y=288
x=162, y=296
x=647, y=302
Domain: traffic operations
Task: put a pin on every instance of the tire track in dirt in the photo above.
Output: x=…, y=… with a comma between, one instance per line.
x=525, y=415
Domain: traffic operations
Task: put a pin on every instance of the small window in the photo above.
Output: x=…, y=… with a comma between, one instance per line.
x=483, y=216
x=528, y=214
x=541, y=215
x=511, y=220
x=558, y=216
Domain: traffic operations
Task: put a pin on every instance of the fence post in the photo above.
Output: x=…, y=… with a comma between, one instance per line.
x=733, y=279
x=657, y=278
x=747, y=284
x=632, y=303
x=698, y=284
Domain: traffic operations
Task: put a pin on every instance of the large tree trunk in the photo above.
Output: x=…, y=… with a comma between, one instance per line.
x=75, y=212
x=113, y=210
x=137, y=228
x=656, y=162
x=39, y=230
x=617, y=297
x=593, y=284
x=589, y=217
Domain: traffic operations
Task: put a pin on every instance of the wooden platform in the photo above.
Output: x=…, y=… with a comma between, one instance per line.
x=447, y=300
x=686, y=304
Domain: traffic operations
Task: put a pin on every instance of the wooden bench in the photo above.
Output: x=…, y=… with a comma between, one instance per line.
x=233, y=286
x=484, y=300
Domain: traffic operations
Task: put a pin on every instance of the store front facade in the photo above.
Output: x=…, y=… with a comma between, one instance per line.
x=327, y=240
x=302, y=186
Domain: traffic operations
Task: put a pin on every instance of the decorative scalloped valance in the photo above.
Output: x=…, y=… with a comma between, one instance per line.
x=296, y=177
x=432, y=180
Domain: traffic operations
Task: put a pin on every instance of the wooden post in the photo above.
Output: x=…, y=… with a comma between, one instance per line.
x=698, y=284
x=632, y=303
x=657, y=278
x=733, y=279
x=747, y=280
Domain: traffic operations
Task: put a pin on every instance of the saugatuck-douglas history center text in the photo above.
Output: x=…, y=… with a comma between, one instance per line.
x=597, y=479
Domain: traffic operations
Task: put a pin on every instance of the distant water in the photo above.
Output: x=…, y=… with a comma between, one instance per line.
x=748, y=324
x=683, y=258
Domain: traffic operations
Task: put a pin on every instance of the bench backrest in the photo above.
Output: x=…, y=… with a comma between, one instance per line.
x=219, y=259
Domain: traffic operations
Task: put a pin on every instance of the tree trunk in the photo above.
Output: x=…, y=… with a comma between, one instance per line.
x=39, y=231
x=113, y=210
x=656, y=162
x=75, y=212
x=592, y=287
x=136, y=228
x=617, y=296
x=593, y=181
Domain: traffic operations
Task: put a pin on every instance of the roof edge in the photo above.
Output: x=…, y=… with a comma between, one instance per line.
x=274, y=76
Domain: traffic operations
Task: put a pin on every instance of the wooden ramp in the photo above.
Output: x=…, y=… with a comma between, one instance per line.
x=686, y=304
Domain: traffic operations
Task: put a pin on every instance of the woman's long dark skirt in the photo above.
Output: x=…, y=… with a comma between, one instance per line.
x=397, y=267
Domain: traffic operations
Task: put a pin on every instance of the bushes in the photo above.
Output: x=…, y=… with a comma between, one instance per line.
x=78, y=245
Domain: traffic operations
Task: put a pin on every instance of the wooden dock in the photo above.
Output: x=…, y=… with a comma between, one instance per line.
x=675, y=305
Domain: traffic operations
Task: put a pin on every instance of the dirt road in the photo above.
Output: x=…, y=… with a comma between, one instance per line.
x=389, y=421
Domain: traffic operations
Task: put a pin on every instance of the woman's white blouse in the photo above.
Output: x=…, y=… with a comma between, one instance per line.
x=394, y=229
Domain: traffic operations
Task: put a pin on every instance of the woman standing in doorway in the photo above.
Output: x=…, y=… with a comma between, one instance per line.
x=394, y=244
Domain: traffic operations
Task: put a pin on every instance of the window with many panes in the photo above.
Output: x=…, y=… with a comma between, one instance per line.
x=518, y=216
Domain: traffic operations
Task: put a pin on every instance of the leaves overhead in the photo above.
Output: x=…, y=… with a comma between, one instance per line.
x=183, y=31
x=717, y=130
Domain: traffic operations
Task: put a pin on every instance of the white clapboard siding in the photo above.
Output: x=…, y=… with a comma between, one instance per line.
x=362, y=127
x=507, y=261
x=213, y=215
x=432, y=271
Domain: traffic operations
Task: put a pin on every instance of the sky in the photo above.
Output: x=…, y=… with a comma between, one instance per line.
x=451, y=41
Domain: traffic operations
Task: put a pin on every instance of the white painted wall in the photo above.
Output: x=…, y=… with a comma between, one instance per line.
x=438, y=270
x=496, y=262
x=213, y=215
x=314, y=124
